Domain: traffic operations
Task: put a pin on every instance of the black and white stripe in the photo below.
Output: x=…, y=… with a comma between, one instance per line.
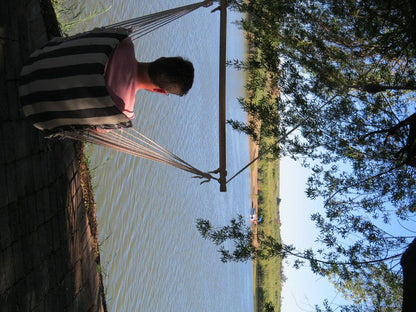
x=62, y=85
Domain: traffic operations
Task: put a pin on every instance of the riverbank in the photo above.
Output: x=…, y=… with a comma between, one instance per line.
x=254, y=187
x=265, y=199
x=49, y=257
x=267, y=274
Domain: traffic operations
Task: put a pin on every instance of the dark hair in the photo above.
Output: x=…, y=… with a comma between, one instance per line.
x=173, y=74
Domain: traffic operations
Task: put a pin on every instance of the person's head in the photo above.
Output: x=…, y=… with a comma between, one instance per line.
x=175, y=75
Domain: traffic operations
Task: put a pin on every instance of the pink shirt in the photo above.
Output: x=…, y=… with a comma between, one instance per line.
x=121, y=77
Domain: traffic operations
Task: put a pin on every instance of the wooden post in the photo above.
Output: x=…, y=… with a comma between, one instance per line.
x=222, y=106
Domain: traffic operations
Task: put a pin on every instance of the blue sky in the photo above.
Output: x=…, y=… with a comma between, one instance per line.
x=303, y=289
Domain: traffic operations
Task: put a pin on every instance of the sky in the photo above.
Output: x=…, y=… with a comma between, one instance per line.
x=303, y=289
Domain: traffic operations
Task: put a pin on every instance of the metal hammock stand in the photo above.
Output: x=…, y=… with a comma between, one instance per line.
x=129, y=140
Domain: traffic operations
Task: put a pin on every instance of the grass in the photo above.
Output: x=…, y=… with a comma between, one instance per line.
x=70, y=13
x=267, y=273
x=90, y=207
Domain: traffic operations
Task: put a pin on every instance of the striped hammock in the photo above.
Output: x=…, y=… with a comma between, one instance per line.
x=62, y=85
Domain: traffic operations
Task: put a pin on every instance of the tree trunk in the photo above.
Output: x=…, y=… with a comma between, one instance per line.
x=408, y=263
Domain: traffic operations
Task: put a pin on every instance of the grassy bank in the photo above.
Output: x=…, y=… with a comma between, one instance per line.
x=267, y=273
x=259, y=103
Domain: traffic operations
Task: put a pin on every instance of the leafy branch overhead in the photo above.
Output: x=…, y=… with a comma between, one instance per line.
x=361, y=56
x=343, y=72
x=345, y=270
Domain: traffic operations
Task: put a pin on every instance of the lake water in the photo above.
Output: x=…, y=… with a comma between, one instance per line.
x=153, y=256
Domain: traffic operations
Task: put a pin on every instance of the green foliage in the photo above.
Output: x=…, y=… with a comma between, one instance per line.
x=268, y=307
x=377, y=291
x=269, y=280
x=237, y=232
x=70, y=13
x=340, y=72
x=369, y=284
x=241, y=237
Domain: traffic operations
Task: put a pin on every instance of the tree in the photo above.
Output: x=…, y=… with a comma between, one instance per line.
x=408, y=263
x=345, y=72
x=268, y=307
x=369, y=285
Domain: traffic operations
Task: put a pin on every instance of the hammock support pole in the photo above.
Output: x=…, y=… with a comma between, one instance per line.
x=222, y=97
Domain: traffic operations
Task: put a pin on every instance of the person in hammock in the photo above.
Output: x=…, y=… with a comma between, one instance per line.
x=125, y=76
x=89, y=81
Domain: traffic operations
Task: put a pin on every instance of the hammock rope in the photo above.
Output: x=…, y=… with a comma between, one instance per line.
x=131, y=141
x=141, y=26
